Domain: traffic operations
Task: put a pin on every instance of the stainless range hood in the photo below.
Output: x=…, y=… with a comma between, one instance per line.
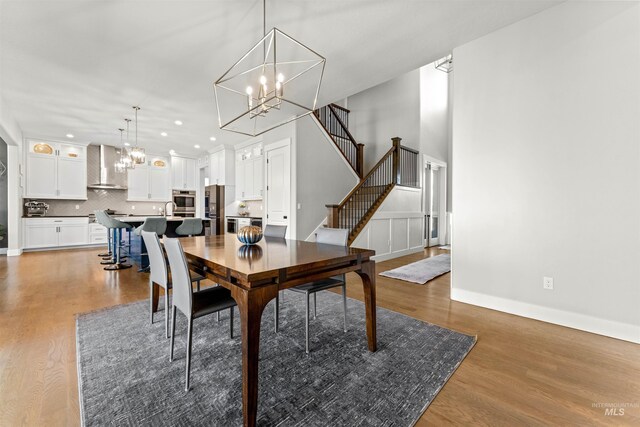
x=101, y=171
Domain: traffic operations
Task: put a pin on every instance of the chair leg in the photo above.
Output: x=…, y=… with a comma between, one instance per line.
x=344, y=305
x=276, y=311
x=198, y=285
x=150, y=301
x=166, y=311
x=189, y=333
x=315, y=305
x=231, y=322
x=173, y=332
x=306, y=326
x=218, y=315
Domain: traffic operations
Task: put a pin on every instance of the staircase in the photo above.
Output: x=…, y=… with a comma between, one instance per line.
x=335, y=120
x=399, y=166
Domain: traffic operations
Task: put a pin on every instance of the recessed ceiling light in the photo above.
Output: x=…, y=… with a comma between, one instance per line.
x=172, y=152
x=178, y=122
x=196, y=146
x=163, y=133
x=69, y=135
x=213, y=138
x=127, y=144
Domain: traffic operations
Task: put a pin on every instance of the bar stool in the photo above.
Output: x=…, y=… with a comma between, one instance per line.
x=157, y=225
x=190, y=227
x=116, y=227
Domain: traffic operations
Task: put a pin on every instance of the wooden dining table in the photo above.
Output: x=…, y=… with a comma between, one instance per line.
x=254, y=275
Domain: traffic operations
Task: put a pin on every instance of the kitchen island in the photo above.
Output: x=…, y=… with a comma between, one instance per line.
x=138, y=250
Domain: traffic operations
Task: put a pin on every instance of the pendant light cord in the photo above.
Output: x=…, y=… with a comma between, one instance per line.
x=264, y=18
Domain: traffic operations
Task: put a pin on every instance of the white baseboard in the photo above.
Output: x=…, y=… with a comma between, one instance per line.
x=398, y=254
x=623, y=331
x=14, y=252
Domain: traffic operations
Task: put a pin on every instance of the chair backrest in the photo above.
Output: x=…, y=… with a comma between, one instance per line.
x=190, y=227
x=156, y=225
x=157, y=262
x=111, y=222
x=100, y=217
x=275, y=231
x=333, y=236
x=180, y=280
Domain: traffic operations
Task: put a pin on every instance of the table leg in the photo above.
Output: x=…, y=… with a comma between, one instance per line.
x=368, y=276
x=251, y=304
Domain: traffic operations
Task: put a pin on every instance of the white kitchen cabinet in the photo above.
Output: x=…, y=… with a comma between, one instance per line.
x=183, y=173
x=249, y=178
x=150, y=182
x=55, y=232
x=222, y=168
x=73, y=234
x=40, y=236
x=138, y=183
x=56, y=170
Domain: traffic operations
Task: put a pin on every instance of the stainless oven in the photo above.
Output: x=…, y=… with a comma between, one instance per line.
x=185, y=202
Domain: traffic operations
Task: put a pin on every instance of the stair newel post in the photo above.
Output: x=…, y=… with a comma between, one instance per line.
x=333, y=216
x=360, y=160
x=396, y=159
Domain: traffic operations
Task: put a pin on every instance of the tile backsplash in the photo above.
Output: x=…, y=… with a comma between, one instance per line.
x=99, y=200
x=253, y=206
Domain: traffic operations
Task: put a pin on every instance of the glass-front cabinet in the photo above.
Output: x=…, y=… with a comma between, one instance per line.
x=56, y=170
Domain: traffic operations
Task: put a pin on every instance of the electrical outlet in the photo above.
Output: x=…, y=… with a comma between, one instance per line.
x=77, y=207
x=154, y=208
x=547, y=283
x=133, y=207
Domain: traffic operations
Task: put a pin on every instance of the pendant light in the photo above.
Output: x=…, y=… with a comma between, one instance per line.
x=120, y=165
x=125, y=156
x=276, y=82
x=137, y=154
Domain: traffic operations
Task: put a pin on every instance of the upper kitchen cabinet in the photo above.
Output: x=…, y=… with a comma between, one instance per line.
x=250, y=173
x=150, y=182
x=56, y=170
x=222, y=167
x=183, y=173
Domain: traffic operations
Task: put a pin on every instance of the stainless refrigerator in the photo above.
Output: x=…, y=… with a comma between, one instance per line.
x=214, y=208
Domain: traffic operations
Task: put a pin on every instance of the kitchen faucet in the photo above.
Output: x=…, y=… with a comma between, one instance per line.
x=174, y=208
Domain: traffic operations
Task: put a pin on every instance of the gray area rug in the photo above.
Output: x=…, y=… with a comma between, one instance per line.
x=125, y=377
x=421, y=271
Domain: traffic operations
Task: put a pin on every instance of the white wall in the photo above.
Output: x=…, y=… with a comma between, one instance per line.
x=383, y=112
x=434, y=112
x=323, y=177
x=546, y=147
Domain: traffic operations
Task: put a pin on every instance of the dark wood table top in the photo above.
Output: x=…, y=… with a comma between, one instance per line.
x=225, y=255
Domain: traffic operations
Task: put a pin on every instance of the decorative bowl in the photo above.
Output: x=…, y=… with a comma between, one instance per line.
x=250, y=235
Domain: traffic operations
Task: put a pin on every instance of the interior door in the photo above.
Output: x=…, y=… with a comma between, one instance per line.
x=432, y=205
x=278, y=186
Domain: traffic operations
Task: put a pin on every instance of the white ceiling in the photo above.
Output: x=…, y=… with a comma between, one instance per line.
x=78, y=66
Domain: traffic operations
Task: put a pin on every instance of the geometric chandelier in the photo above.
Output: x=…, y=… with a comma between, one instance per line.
x=276, y=82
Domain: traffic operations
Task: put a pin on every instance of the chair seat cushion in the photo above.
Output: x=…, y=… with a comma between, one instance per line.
x=211, y=300
x=320, y=285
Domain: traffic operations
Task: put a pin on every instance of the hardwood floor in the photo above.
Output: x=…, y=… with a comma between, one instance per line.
x=521, y=371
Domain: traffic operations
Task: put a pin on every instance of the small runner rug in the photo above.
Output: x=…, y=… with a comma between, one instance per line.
x=421, y=271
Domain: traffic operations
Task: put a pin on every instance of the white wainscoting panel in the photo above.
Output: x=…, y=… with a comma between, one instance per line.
x=392, y=234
